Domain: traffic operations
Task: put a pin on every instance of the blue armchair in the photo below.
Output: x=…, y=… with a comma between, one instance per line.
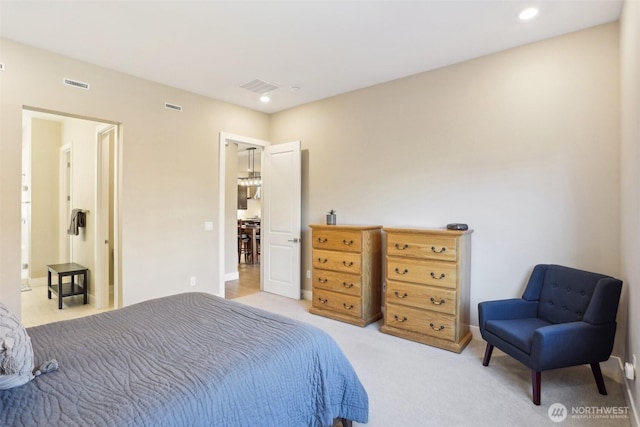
x=566, y=317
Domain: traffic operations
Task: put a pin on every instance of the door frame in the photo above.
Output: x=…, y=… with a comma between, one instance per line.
x=117, y=189
x=224, y=139
x=105, y=216
x=65, y=196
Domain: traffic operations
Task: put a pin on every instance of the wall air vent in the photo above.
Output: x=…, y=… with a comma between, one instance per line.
x=75, y=83
x=173, y=107
x=1, y=66
x=260, y=86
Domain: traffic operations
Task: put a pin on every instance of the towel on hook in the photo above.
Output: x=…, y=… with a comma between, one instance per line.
x=78, y=219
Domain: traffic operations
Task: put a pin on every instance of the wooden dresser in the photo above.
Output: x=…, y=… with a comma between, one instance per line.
x=427, y=289
x=347, y=282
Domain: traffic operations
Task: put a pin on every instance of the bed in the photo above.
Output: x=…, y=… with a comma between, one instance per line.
x=186, y=360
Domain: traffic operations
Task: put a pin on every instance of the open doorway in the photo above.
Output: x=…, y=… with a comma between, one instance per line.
x=70, y=164
x=249, y=215
x=280, y=220
x=234, y=163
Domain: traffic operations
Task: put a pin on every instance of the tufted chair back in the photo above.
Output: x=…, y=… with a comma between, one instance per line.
x=563, y=293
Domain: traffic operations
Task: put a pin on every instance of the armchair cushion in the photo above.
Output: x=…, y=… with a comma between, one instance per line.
x=508, y=309
x=517, y=332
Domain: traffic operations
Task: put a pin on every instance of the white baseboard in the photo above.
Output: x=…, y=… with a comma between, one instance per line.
x=475, y=332
x=37, y=281
x=307, y=294
x=611, y=368
x=628, y=397
x=231, y=276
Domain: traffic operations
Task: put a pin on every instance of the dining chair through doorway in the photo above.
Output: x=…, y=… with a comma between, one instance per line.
x=244, y=245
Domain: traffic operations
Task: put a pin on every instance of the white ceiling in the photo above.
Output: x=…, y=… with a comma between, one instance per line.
x=323, y=47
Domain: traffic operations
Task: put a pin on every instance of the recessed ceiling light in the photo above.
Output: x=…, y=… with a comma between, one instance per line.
x=528, y=13
x=265, y=99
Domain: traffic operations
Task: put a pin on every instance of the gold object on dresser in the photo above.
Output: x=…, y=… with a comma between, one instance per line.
x=427, y=292
x=347, y=283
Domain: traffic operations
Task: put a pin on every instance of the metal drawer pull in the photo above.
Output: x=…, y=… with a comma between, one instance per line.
x=321, y=280
x=347, y=285
x=348, y=243
x=401, y=296
x=347, y=264
x=322, y=240
x=398, y=319
x=401, y=272
x=323, y=301
x=402, y=248
x=433, y=301
x=433, y=249
x=442, y=276
x=322, y=261
x=436, y=329
x=348, y=307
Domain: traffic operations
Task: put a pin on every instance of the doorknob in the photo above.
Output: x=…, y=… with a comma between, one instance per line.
x=294, y=240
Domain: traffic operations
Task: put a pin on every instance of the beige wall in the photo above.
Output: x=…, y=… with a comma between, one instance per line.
x=630, y=188
x=522, y=145
x=46, y=140
x=170, y=184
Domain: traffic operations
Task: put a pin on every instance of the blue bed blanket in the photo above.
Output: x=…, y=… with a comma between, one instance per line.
x=186, y=360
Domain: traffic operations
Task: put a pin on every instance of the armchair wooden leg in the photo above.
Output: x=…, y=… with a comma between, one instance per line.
x=536, y=377
x=487, y=355
x=597, y=374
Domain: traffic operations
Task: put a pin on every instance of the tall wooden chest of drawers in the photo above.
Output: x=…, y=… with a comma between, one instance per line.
x=347, y=282
x=427, y=287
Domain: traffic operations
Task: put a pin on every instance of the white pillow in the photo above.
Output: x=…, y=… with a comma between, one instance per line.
x=16, y=352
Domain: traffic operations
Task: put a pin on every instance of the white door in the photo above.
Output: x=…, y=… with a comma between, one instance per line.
x=280, y=228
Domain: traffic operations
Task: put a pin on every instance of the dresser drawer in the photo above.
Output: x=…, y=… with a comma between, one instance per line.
x=421, y=296
x=422, y=246
x=345, y=304
x=337, y=240
x=347, y=262
x=425, y=272
x=345, y=283
x=426, y=322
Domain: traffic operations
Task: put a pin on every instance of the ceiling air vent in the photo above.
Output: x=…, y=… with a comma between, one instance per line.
x=260, y=86
x=173, y=107
x=75, y=83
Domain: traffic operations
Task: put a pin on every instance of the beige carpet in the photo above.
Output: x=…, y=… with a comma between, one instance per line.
x=414, y=385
